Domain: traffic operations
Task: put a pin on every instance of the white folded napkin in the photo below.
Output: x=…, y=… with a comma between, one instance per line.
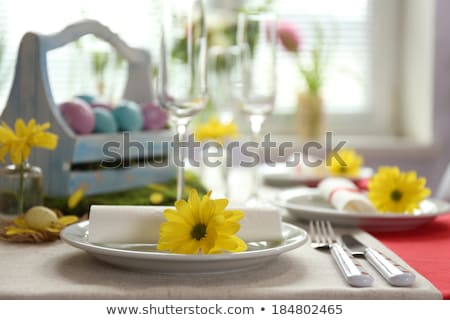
x=344, y=195
x=140, y=224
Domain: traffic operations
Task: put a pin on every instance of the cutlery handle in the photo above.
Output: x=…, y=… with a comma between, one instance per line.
x=395, y=274
x=353, y=272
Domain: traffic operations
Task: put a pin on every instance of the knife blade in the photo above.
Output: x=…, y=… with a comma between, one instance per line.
x=393, y=272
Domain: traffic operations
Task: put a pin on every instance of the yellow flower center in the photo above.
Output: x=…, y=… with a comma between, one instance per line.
x=343, y=169
x=396, y=195
x=198, y=231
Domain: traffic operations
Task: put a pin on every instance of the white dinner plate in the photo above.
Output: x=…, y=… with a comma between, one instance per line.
x=146, y=257
x=308, y=204
x=283, y=176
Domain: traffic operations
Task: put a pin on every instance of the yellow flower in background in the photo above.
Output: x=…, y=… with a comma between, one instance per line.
x=156, y=198
x=391, y=190
x=201, y=226
x=75, y=198
x=215, y=130
x=345, y=163
x=18, y=144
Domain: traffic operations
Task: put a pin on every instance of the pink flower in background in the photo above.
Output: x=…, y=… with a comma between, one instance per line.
x=289, y=36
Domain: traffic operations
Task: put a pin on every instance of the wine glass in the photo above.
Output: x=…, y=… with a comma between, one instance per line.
x=255, y=80
x=182, y=72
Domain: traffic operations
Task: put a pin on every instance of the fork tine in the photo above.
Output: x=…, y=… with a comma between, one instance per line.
x=312, y=231
x=326, y=235
x=331, y=231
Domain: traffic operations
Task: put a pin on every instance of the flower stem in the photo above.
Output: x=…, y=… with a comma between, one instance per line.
x=21, y=187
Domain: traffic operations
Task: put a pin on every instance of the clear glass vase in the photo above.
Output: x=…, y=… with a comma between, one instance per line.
x=18, y=194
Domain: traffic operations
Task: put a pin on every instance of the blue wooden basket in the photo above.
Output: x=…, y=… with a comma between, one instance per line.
x=31, y=97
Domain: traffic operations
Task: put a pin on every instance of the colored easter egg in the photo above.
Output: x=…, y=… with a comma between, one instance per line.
x=102, y=105
x=104, y=121
x=128, y=116
x=88, y=98
x=78, y=115
x=155, y=118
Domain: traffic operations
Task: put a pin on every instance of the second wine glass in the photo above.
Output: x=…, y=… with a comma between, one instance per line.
x=255, y=82
x=182, y=70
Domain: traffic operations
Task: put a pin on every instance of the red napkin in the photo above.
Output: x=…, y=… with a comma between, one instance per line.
x=426, y=249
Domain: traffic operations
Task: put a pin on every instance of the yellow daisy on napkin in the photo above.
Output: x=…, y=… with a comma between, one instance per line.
x=391, y=190
x=344, y=163
x=201, y=226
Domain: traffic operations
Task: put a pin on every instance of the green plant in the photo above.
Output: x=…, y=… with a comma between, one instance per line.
x=313, y=74
x=311, y=64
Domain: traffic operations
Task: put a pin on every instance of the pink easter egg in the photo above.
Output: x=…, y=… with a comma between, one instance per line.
x=78, y=115
x=155, y=118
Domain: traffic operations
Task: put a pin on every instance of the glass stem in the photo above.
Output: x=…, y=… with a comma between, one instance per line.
x=225, y=170
x=256, y=122
x=21, y=188
x=181, y=131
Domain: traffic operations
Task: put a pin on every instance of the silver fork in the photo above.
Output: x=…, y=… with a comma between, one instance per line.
x=323, y=236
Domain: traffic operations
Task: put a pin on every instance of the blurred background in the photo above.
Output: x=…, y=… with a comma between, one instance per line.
x=385, y=66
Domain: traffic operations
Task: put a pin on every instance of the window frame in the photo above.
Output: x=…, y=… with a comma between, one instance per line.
x=379, y=118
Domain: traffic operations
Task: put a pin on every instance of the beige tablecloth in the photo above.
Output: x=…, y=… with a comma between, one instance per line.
x=59, y=271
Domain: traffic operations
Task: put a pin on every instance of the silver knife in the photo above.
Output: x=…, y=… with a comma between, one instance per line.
x=394, y=273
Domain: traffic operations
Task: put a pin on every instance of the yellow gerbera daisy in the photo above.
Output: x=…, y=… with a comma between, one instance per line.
x=391, y=190
x=345, y=163
x=215, y=130
x=18, y=144
x=201, y=226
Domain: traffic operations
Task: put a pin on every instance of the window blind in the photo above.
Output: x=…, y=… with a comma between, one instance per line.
x=346, y=33
x=345, y=24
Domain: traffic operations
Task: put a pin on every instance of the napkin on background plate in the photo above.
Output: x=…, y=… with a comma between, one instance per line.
x=344, y=195
x=140, y=224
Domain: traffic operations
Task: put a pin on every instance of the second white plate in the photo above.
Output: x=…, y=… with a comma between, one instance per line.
x=281, y=175
x=308, y=204
x=146, y=257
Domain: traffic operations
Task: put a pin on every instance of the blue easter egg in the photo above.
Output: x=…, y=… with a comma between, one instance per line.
x=104, y=121
x=128, y=116
x=88, y=98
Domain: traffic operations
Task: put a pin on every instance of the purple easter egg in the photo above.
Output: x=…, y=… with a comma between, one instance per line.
x=155, y=118
x=78, y=115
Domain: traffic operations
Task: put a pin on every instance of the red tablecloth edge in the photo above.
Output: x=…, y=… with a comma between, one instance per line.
x=426, y=249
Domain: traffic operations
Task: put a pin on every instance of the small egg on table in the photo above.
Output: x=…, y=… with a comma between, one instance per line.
x=40, y=218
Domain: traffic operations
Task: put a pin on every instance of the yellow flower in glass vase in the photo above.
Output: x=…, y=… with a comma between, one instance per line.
x=391, y=190
x=346, y=163
x=201, y=226
x=215, y=130
x=18, y=144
